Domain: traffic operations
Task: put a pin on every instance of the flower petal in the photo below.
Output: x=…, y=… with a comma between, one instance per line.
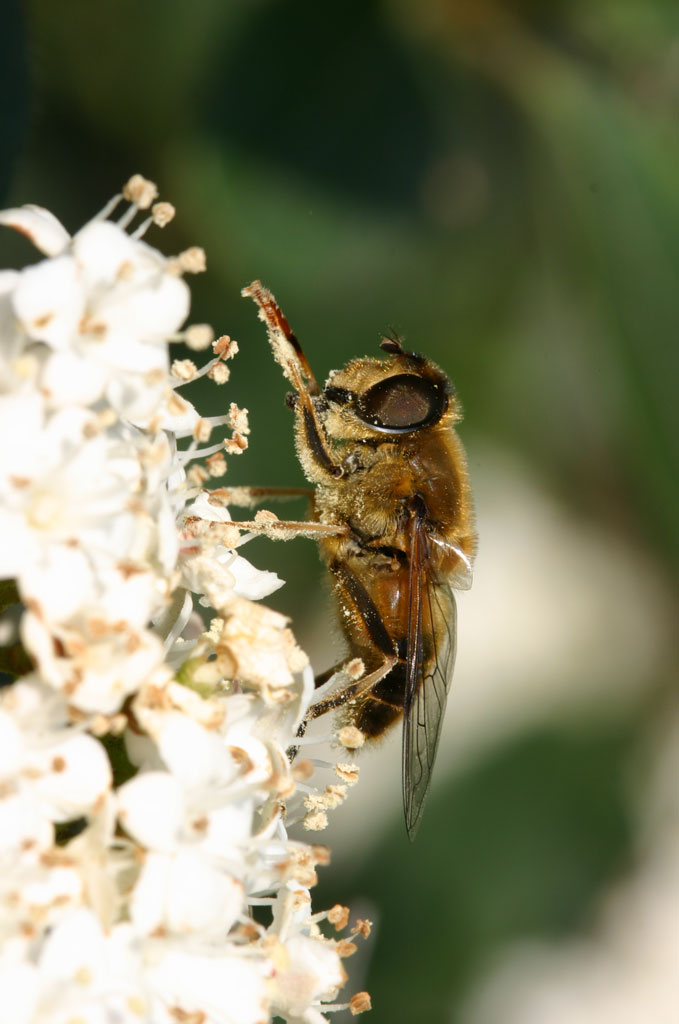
x=184, y=892
x=151, y=808
x=49, y=301
x=227, y=989
x=41, y=227
x=71, y=777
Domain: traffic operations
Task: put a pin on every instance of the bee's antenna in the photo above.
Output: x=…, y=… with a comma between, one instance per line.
x=393, y=345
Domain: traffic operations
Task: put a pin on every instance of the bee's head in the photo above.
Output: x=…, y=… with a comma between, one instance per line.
x=376, y=398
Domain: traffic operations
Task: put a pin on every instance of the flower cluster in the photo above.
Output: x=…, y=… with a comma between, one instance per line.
x=146, y=874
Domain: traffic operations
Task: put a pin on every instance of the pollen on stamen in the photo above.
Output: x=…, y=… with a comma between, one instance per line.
x=219, y=373
x=184, y=369
x=347, y=772
x=345, y=948
x=338, y=916
x=225, y=347
x=192, y=260
x=162, y=214
x=236, y=444
x=140, y=191
x=363, y=927
x=350, y=737
x=335, y=794
x=316, y=821
x=216, y=464
x=238, y=419
x=206, y=370
x=198, y=337
x=197, y=475
x=359, y=1003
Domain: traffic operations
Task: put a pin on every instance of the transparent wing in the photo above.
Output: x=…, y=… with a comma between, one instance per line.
x=430, y=661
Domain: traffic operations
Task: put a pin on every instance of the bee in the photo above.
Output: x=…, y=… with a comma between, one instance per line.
x=393, y=514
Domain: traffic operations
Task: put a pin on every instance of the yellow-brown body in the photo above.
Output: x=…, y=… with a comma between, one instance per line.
x=393, y=513
x=375, y=502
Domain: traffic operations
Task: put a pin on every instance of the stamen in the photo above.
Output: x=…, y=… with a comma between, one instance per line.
x=142, y=229
x=192, y=261
x=182, y=368
x=219, y=373
x=139, y=191
x=128, y=216
x=161, y=214
x=216, y=464
x=198, y=337
x=310, y=741
x=205, y=425
x=198, y=453
x=225, y=347
x=107, y=210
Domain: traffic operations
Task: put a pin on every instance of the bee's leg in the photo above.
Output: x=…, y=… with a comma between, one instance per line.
x=286, y=529
x=278, y=329
x=319, y=681
x=348, y=693
x=318, y=460
x=351, y=692
x=357, y=599
x=247, y=497
x=323, y=677
x=268, y=523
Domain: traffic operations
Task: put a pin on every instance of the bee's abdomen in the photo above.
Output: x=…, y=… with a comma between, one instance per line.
x=374, y=717
x=383, y=706
x=391, y=689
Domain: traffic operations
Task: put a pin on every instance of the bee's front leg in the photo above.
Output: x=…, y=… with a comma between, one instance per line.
x=318, y=460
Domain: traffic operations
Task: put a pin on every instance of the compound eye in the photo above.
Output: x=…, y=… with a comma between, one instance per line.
x=402, y=403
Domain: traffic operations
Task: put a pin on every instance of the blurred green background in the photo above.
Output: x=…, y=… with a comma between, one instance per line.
x=500, y=183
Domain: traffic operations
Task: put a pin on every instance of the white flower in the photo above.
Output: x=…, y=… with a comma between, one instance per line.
x=40, y=226
x=217, y=987
x=309, y=970
x=61, y=487
x=104, y=307
x=197, y=820
x=262, y=647
x=81, y=974
x=96, y=663
x=49, y=771
x=216, y=570
x=143, y=767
